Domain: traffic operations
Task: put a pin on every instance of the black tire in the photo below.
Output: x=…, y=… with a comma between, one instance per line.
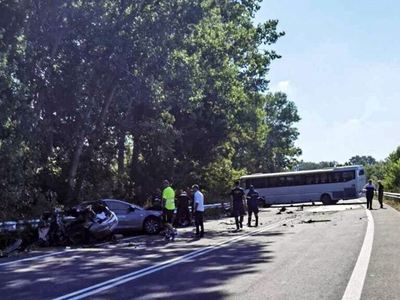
x=326, y=199
x=152, y=225
x=263, y=203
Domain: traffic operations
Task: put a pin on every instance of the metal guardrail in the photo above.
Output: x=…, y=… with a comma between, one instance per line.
x=13, y=225
x=392, y=195
x=19, y=225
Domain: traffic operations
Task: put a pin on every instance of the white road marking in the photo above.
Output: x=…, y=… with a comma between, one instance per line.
x=61, y=252
x=97, y=288
x=355, y=286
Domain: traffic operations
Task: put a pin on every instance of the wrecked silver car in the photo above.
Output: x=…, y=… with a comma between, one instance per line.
x=84, y=224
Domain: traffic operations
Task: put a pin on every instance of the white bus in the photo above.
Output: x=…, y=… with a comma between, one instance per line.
x=326, y=185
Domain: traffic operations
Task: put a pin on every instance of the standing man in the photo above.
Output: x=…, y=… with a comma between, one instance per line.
x=380, y=193
x=168, y=203
x=183, y=208
x=198, y=210
x=237, y=203
x=369, y=193
x=252, y=204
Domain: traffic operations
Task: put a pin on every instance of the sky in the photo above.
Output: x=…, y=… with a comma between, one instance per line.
x=341, y=66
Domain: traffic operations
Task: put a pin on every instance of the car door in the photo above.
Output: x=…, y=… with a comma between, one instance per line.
x=121, y=210
x=135, y=217
x=129, y=216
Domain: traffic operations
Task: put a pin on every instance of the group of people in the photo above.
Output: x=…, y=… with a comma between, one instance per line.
x=170, y=208
x=180, y=208
x=370, y=189
x=238, y=203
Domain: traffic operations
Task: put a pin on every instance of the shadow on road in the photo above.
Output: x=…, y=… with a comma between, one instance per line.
x=205, y=277
x=199, y=279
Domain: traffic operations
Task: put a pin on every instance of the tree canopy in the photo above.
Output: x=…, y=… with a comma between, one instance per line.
x=107, y=98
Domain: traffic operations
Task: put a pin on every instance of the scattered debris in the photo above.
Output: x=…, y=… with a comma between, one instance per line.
x=292, y=225
x=308, y=221
x=300, y=208
x=12, y=248
x=314, y=221
x=278, y=213
x=289, y=212
x=284, y=224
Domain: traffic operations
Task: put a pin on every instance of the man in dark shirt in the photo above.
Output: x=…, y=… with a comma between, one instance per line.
x=237, y=199
x=183, y=208
x=369, y=193
x=380, y=193
x=252, y=204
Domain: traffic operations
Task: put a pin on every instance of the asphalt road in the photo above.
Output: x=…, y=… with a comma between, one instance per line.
x=308, y=254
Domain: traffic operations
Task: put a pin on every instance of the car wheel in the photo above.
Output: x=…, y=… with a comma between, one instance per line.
x=151, y=225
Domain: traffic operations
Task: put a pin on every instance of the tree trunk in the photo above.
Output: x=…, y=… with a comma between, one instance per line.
x=74, y=166
x=121, y=158
x=134, y=163
x=94, y=140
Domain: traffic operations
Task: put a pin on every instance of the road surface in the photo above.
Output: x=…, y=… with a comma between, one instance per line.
x=320, y=252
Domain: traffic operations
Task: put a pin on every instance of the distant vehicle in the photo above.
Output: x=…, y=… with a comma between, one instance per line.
x=132, y=217
x=325, y=185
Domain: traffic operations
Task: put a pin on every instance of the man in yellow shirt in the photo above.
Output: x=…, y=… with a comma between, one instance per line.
x=168, y=204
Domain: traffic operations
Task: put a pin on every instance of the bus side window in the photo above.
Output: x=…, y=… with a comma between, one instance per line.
x=349, y=175
x=273, y=181
x=281, y=181
x=337, y=177
x=259, y=183
x=310, y=179
x=290, y=180
x=324, y=177
x=298, y=180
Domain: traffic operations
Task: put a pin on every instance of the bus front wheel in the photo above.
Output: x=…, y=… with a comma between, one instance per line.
x=326, y=199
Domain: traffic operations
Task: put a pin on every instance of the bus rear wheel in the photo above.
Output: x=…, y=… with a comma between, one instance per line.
x=326, y=199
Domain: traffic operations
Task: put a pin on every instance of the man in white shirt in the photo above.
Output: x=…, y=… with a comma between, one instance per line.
x=198, y=209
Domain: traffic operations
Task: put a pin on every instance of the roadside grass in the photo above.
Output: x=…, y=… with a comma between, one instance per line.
x=393, y=203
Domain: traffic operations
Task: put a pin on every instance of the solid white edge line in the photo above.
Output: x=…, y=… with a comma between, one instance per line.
x=97, y=288
x=356, y=284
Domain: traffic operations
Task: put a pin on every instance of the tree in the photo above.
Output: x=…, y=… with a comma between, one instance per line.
x=361, y=160
x=392, y=172
x=108, y=98
x=279, y=151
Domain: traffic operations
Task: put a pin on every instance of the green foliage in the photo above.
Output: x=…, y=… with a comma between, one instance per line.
x=107, y=98
x=361, y=160
x=392, y=172
x=302, y=166
x=376, y=171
